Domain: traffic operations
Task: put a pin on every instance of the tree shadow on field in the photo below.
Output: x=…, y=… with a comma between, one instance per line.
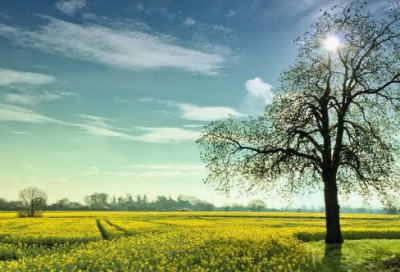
x=332, y=260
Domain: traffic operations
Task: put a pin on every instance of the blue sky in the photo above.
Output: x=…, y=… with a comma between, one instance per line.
x=109, y=96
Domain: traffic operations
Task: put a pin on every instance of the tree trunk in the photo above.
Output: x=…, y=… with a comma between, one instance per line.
x=333, y=230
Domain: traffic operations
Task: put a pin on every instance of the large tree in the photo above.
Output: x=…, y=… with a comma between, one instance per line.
x=33, y=200
x=333, y=121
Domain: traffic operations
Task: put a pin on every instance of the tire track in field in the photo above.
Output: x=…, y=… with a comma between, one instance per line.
x=103, y=232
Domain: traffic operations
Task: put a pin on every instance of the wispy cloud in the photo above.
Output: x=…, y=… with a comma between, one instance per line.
x=160, y=171
x=91, y=170
x=171, y=167
x=12, y=77
x=194, y=112
x=151, y=10
x=231, y=13
x=119, y=47
x=70, y=6
x=189, y=21
x=4, y=14
x=34, y=98
x=99, y=126
x=19, y=132
x=193, y=126
x=18, y=114
x=165, y=134
x=198, y=113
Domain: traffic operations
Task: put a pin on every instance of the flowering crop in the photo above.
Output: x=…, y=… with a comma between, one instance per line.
x=48, y=231
x=174, y=241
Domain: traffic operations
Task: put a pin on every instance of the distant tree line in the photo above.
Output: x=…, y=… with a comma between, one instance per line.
x=33, y=201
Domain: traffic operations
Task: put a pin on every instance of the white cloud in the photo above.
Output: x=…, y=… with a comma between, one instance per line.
x=193, y=112
x=193, y=126
x=98, y=126
x=18, y=114
x=257, y=88
x=11, y=77
x=70, y=6
x=91, y=170
x=31, y=168
x=160, y=170
x=19, y=132
x=170, y=167
x=34, y=98
x=165, y=134
x=118, y=46
x=95, y=125
x=199, y=113
x=223, y=29
x=231, y=13
x=189, y=21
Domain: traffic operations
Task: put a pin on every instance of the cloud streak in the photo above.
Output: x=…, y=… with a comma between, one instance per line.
x=35, y=98
x=198, y=113
x=12, y=77
x=115, y=46
x=18, y=114
x=160, y=171
x=98, y=126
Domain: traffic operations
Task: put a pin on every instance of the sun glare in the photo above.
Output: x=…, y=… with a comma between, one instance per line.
x=331, y=43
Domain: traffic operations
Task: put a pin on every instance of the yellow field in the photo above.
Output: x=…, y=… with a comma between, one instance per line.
x=217, y=241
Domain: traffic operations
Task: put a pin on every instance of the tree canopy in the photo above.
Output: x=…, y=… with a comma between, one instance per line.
x=33, y=200
x=334, y=120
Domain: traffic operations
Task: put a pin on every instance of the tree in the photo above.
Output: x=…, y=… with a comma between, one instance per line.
x=392, y=205
x=257, y=205
x=62, y=204
x=226, y=207
x=97, y=201
x=332, y=122
x=33, y=200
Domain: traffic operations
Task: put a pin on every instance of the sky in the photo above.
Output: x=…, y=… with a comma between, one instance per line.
x=110, y=96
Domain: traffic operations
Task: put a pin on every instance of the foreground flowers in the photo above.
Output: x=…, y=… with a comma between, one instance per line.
x=155, y=242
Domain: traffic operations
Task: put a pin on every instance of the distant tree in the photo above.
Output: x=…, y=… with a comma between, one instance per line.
x=257, y=205
x=238, y=207
x=62, y=204
x=97, y=201
x=332, y=123
x=226, y=207
x=392, y=205
x=113, y=203
x=208, y=207
x=34, y=202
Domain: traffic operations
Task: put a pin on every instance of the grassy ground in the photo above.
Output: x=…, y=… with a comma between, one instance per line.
x=357, y=255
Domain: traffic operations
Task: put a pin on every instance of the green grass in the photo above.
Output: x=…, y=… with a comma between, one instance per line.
x=355, y=255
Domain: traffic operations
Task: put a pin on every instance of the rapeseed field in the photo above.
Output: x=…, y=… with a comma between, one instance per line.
x=175, y=241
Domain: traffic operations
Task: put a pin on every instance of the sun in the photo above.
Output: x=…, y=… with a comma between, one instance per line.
x=331, y=43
